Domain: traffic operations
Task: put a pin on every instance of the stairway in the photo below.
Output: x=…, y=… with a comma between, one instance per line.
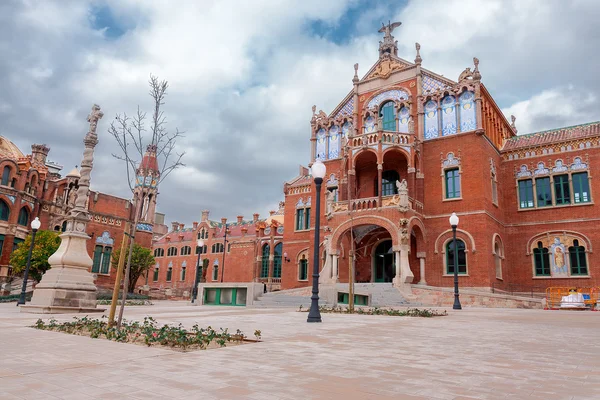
x=16, y=285
x=382, y=294
x=282, y=300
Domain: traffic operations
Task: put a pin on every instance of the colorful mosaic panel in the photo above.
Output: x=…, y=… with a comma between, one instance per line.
x=334, y=142
x=430, y=84
x=468, y=120
x=395, y=94
x=403, y=118
x=431, y=120
x=449, y=125
x=369, y=124
x=321, y=153
x=347, y=109
x=346, y=130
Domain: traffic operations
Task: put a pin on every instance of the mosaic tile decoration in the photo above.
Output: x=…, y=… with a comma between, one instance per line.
x=403, y=118
x=431, y=84
x=334, y=142
x=449, y=125
x=347, y=109
x=431, y=120
x=395, y=94
x=467, y=112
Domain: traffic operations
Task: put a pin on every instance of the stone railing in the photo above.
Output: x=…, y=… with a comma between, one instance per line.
x=371, y=203
x=385, y=137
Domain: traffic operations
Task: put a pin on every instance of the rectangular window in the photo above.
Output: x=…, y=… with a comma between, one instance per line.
x=183, y=273
x=526, y=193
x=581, y=188
x=303, y=274
x=307, y=218
x=452, y=183
x=542, y=189
x=561, y=189
x=494, y=190
x=155, y=277
x=169, y=274
x=97, y=259
x=299, y=219
x=105, y=269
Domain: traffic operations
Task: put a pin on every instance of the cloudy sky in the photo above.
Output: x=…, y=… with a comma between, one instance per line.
x=244, y=74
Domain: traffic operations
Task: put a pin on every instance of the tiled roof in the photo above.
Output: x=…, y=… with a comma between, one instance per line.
x=301, y=181
x=188, y=234
x=553, y=136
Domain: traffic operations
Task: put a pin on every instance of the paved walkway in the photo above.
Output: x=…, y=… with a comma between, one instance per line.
x=471, y=354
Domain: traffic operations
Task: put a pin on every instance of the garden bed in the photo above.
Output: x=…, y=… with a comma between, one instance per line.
x=127, y=302
x=409, y=312
x=149, y=333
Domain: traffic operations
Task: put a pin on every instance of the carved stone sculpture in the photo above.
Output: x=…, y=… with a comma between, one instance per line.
x=402, y=187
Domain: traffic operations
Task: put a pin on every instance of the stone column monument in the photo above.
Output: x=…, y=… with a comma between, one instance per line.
x=68, y=286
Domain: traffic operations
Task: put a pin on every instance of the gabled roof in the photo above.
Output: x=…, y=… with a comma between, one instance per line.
x=553, y=136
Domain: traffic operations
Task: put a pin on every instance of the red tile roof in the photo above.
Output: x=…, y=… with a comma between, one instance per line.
x=553, y=136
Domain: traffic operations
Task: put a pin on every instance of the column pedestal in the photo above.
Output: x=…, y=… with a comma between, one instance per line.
x=422, y=270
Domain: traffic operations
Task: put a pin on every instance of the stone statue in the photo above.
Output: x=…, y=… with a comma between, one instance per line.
x=93, y=118
x=387, y=30
x=418, y=57
x=402, y=187
x=329, y=202
x=465, y=74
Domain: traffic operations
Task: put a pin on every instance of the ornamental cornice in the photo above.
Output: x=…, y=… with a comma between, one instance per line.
x=551, y=148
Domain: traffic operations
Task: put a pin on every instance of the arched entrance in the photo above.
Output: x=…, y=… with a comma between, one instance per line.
x=383, y=264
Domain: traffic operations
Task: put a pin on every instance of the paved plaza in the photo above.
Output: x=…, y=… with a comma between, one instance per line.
x=469, y=354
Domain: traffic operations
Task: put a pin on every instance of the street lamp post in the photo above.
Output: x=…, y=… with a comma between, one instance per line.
x=35, y=225
x=318, y=172
x=454, y=224
x=198, y=270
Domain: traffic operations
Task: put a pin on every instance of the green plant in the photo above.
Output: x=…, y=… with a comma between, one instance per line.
x=409, y=312
x=46, y=244
x=141, y=261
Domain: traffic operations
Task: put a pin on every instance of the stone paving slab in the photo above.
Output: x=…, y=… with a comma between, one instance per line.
x=470, y=354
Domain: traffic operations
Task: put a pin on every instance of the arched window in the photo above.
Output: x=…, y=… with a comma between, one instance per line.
x=201, y=250
x=159, y=252
x=215, y=275
x=186, y=250
x=264, y=270
x=5, y=175
x=277, y=260
x=577, y=258
x=169, y=273
x=388, y=116
x=498, y=259
x=4, y=211
x=541, y=259
x=468, y=121
x=23, y=216
x=155, y=276
x=217, y=248
x=388, y=183
x=64, y=226
x=57, y=228
x=403, y=119
x=101, y=261
x=171, y=251
x=183, y=268
x=203, y=234
x=334, y=142
x=462, y=257
x=303, y=269
x=448, y=115
x=431, y=120
x=321, y=149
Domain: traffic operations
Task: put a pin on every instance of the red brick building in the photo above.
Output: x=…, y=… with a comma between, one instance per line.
x=32, y=186
x=403, y=150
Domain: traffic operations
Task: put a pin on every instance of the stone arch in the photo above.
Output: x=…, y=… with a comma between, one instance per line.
x=361, y=153
x=497, y=237
x=534, y=239
x=462, y=233
x=415, y=222
x=395, y=94
x=397, y=149
x=364, y=220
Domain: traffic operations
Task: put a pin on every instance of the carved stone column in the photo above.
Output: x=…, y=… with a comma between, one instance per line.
x=68, y=286
x=334, y=262
x=379, y=182
x=421, y=257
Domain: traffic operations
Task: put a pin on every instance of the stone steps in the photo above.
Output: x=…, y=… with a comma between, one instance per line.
x=382, y=294
x=273, y=300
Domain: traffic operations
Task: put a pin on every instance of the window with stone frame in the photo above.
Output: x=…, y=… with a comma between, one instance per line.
x=581, y=188
x=215, y=274
x=201, y=250
x=452, y=180
x=169, y=273
x=101, y=260
x=217, y=248
x=494, y=180
x=578, y=259
x=303, y=269
x=159, y=252
x=182, y=277
x=388, y=116
x=462, y=257
x=526, y=193
x=186, y=250
x=562, y=192
x=541, y=260
x=498, y=256
x=543, y=192
x=171, y=251
x=155, y=276
x=388, y=183
x=6, y=175
x=23, y=216
x=278, y=251
x=302, y=218
x=264, y=270
x=4, y=211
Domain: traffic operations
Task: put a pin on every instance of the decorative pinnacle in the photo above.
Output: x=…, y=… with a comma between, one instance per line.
x=355, y=79
x=418, y=58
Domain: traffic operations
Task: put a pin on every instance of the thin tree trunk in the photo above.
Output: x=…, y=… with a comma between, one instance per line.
x=128, y=268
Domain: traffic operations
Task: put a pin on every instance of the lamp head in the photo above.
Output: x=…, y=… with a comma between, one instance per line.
x=200, y=243
x=454, y=219
x=318, y=169
x=35, y=224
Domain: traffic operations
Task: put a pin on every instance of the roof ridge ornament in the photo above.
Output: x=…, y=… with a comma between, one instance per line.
x=388, y=45
x=418, y=58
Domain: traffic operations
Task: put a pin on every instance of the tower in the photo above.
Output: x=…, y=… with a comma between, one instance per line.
x=146, y=188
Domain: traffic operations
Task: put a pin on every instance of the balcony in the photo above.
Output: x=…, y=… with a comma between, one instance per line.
x=384, y=137
x=372, y=203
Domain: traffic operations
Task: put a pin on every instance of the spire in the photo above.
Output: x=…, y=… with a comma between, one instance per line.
x=355, y=79
x=388, y=45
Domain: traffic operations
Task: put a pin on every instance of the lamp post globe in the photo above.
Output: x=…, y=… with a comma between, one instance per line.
x=454, y=223
x=200, y=248
x=318, y=171
x=35, y=225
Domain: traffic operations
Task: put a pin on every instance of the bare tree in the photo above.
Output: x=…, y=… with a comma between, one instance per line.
x=133, y=138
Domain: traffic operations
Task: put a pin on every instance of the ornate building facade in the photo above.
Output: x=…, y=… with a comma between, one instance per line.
x=403, y=150
x=32, y=186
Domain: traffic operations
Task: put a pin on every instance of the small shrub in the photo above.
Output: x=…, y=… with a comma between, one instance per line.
x=410, y=312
